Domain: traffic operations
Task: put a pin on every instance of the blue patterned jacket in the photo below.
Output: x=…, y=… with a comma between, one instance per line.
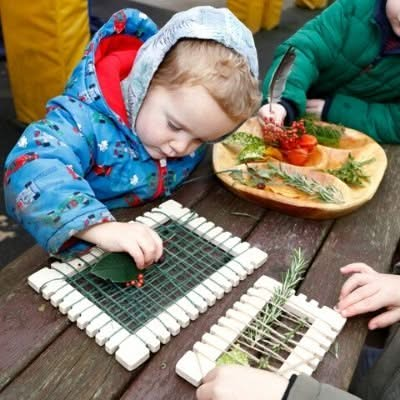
x=68, y=170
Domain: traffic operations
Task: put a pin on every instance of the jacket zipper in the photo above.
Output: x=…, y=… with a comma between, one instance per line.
x=162, y=172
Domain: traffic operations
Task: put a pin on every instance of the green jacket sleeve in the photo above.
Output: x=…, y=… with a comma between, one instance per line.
x=316, y=45
x=381, y=121
x=307, y=388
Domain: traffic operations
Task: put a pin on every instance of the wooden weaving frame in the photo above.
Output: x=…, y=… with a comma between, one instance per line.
x=132, y=349
x=326, y=324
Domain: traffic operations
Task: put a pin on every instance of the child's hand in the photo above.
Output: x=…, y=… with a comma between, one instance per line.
x=315, y=107
x=237, y=382
x=141, y=242
x=367, y=290
x=273, y=111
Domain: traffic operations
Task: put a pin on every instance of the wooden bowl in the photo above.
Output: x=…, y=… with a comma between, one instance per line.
x=289, y=200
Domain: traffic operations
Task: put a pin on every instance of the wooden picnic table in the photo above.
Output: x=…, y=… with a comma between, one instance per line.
x=44, y=356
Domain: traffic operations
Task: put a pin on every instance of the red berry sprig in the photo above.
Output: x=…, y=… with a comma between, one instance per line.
x=295, y=143
x=283, y=137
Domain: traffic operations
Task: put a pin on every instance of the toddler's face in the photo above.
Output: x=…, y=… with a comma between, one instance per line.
x=393, y=14
x=173, y=123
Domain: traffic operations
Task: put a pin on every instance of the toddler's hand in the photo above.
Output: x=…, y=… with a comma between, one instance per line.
x=315, y=107
x=367, y=290
x=141, y=242
x=237, y=382
x=273, y=111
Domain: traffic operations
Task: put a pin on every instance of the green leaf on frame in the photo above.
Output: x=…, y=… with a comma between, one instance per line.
x=116, y=267
x=234, y=356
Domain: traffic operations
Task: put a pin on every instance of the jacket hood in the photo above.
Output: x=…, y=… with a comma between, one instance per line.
x=203, y=22
x=83, y=83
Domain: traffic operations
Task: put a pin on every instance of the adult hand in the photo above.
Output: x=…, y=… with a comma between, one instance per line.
x=315, y=107
x=272, y=112
x=367, y=290
x=234, y=382
x=141, y=242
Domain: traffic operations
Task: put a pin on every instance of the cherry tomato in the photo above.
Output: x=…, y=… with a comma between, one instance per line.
x=297, y=156
x=308, y=142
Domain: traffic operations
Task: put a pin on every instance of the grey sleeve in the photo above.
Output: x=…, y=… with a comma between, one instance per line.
x=307, y=388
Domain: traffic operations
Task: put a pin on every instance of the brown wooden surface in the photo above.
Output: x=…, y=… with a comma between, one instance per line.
x=43, y=356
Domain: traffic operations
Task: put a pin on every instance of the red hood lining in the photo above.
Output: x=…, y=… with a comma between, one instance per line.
x=114, y=58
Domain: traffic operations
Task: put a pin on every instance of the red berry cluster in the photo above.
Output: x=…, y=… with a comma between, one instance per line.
x=294, y=142
x=283, y=137
x=137, y=283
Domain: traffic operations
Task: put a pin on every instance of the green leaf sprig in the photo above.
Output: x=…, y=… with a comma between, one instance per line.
x=351, y=172
x=253, y=146
x=243, y=139
x=327, y=135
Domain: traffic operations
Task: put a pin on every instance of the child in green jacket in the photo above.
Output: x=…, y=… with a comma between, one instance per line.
x=346, y=71
x=364, y=291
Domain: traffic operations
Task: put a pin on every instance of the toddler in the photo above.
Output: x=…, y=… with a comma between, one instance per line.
x=130, y=126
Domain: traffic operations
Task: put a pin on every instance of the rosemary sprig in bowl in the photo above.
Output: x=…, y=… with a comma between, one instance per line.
x=262, y=177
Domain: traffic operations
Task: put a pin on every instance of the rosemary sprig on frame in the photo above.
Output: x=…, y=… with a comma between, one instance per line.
x=280, y=296
x=351, y=171
x=261, y=177
x=271, y=313
x=274, y=308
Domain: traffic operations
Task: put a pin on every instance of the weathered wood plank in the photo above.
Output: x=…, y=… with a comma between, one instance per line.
x=21, y=268
x=72, y=367
x=370, y=235
x=27, y=325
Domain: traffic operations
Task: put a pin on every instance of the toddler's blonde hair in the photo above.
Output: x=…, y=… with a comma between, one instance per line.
x=221, y=71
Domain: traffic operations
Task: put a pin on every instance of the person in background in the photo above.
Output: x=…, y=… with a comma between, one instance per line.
x=346, y=70
x=131, y=125
x=364, y=291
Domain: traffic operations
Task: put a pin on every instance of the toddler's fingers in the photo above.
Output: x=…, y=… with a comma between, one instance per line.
x=367, y=304
x=264, y=115
x=357, y=296
x=149, y=248
x=136, y=253
x=356, y=267
x=385, y=319
x=274, y=111
x=313, y=102
x=211, y=375
x=356, y=280
x=204, y=392
x=159, y=245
